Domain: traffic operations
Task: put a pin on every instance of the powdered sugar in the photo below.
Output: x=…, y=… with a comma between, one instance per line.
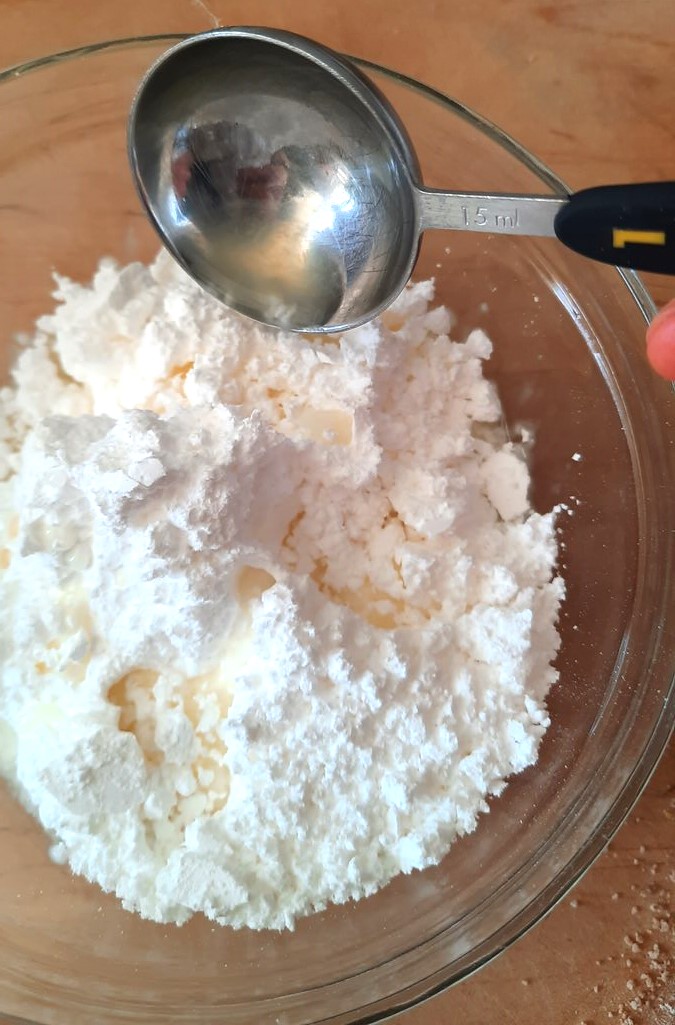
x=280, y=619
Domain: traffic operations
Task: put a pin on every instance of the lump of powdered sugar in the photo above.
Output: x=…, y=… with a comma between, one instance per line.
x=277, y=616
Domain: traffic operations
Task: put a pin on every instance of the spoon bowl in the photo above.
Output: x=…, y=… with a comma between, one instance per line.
x=278, y=177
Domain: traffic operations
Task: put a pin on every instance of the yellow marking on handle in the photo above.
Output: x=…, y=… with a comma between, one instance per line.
x=646, y=238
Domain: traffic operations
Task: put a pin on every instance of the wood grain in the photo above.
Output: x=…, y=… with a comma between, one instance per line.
x=589, y=88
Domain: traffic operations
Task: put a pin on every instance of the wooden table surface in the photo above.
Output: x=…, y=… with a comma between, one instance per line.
x=590, y=88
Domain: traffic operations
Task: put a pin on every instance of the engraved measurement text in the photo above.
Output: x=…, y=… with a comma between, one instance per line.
x=482, y=217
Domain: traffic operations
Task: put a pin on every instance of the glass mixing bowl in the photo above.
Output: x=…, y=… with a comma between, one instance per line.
x=569, y=363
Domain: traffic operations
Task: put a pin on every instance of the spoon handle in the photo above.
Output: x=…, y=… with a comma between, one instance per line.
x=495, y=213
x=625, y=225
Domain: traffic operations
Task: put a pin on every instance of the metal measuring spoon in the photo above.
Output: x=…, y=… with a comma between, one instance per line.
x=285, y=184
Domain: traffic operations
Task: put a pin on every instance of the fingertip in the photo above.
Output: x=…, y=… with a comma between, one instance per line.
x=661, y=343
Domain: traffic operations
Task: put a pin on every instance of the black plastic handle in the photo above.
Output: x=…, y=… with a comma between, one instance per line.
x=627, y=225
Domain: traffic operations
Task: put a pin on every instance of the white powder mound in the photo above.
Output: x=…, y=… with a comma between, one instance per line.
x=277, y=617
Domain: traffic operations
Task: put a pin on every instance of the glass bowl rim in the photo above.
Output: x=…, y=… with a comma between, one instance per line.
x=664, y=726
